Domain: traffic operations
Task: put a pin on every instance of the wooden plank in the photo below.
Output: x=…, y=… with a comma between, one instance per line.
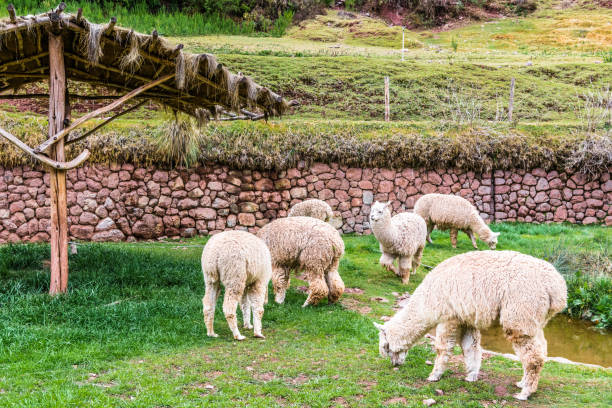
x=59, y=212
x=59, y=136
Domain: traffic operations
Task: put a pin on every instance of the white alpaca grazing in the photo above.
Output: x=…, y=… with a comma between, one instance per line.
x=242, y=263
x=402, y=237
x=474, y=291
x=454, y=213
x=312, y=208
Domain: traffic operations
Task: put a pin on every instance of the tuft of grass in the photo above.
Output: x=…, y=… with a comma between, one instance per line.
x=178, y=143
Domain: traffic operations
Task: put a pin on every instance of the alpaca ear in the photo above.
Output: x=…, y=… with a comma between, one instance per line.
x=388, y=204
x=378, y=326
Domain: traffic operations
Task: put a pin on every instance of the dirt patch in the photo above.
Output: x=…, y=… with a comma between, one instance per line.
x=395, y=400
x=501, y=391
x=265, y=377
x=356, y=306
x=401, y=300
x=340, y=401
x=302, y=289
x=357, y=291
x=367, y=384
x=379, y=299
x=299, y=380
x=213, y=374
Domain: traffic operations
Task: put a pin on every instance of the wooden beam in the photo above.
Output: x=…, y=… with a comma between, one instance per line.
x=106, y=122
x=59, y=207
x=59, y=136
x=42, y=158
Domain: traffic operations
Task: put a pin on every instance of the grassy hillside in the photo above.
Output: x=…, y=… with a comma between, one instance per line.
x=335, y=65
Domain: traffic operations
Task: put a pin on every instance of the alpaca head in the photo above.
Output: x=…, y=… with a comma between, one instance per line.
x=380, y=211
x=492, y=241
x=396, y=353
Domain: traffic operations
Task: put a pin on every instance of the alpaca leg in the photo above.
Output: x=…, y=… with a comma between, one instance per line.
x=266, y=295
x=209, y=301
x=280, y=283
x=245, y=305
x=405, y=263
x=317, y=289
x=430, y=227
x=416, y=259
x=387, y=262
x=230, y=303
x=472, y=353
x=257, y=294
x=334, y=282
x=532, y=353
x=470, y=234
x=446, y=334
x=453, y=237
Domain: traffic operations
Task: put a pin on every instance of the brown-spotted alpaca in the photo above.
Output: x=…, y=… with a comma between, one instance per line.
x=454, y=213
x=241, y=263
x=402, y=237
x=311, y=246
x=474, y=291
x=312, y=208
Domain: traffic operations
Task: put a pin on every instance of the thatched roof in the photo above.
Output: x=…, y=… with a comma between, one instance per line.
x=119, y=58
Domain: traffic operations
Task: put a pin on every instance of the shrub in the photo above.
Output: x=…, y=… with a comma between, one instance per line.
x=589, y=281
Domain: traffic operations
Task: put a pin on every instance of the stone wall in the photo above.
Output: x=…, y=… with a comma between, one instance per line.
x=120, y=202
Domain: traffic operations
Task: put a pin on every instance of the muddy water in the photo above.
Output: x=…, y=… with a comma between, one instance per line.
x=575, y=340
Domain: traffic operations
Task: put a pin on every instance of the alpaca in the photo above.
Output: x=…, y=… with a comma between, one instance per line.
x=310, y=245
x=474, y=291
x=455, y=213
x=402, y=236
x=242, y=263
x=312, y=208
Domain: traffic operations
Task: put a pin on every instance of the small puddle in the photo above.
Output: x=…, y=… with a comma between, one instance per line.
x=575, y=340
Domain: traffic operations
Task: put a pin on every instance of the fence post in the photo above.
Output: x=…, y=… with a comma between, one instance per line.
x=511, y=102
x=402, y=43
x=387, y=109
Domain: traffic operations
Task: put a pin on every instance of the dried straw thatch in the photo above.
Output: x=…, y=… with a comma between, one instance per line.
x=119, y=58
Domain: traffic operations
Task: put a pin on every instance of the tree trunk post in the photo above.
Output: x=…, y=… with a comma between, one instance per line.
x=59, y=212
x=511, y=101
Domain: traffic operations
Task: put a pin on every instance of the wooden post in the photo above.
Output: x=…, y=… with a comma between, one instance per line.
x=59, y=212
x=493, y=195
x=511, y=102
x=387, y=108
x=402, y=43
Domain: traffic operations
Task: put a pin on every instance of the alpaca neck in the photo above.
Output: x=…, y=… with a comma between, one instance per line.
x=480, y=227
x=384, y=230
x=412, y=322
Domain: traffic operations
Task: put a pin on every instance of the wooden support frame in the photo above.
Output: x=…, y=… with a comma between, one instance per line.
x=59, y=136
x=77, y=161
x=106, y=122
x=59, y=207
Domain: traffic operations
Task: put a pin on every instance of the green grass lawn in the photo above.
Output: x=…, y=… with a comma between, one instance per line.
x=130, y=333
